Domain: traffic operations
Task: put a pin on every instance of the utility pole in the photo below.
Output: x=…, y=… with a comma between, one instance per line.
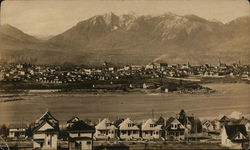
x=152, y=113
x=0, y=10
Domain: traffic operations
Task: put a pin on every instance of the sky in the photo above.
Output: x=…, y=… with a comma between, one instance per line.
x=51, y=17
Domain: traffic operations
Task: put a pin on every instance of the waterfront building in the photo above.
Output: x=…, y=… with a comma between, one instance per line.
x=45, y=132
x=106, y=130
x=150, y=130
x=17, y=130
x=234, y=136
x=174, y=130
x=80, y=136
x=129, y=130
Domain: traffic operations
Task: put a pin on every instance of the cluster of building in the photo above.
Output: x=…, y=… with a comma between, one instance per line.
x=233, y=133
x=107, y=72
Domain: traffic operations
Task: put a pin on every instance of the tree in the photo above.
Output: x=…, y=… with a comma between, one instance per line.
x=183, y=117
x=4, y=131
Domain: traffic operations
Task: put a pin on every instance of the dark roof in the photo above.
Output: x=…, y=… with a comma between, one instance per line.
x=81, y=126
x=72, y=119
x=42, y=122
x=48, y=116
x=191, y=119
x=118, y=122
x=224, y=119
x=233, y=130
x=169, y=121
x=168, y=127
x=161, y=121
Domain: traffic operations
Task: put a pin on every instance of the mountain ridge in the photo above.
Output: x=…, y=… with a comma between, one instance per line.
x=130, y=39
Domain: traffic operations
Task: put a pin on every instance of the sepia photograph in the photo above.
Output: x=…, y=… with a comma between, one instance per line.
x=124, y=74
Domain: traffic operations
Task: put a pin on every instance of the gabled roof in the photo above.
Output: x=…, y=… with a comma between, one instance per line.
x=161, y=121
x=233, y=130
x=48, y=116
x=81, y=126
x=146, y=125
x=118, y=122
x=124, y=125
x=224, y=119
x=103, y=125
x=42, y=123
x=73, y=119
x=170, y=121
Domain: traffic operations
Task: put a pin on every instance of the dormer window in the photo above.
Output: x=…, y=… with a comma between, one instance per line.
x=152, y=125
x=108, y=124
x=130, y=125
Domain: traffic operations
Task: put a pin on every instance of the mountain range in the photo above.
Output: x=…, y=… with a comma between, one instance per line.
x=130, y=39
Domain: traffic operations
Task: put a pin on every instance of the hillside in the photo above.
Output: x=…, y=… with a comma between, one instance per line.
x=130, y=39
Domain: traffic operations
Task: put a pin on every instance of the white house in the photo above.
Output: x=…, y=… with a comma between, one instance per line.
x=17, y=130
x=233, y=136
x=247, y=125
x=80, y=136
x=129, y=130
x=174, y=130
x=150, y=130
x=45, y=132
x=106, y=130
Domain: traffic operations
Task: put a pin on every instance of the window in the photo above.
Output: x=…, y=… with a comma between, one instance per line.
x=89, y=142
x=152, y=125
x=79, y=134
x=156, y=133
x=134, y=132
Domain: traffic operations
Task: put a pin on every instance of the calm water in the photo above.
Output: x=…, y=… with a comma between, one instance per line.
x=230, y=97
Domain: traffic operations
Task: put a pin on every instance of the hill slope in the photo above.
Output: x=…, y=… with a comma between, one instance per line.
x=130, y=39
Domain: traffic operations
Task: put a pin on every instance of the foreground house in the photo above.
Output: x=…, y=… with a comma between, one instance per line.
x=129, y=130
x=150, y=130
x=174, y=130
x=80, y=136
x=17, y=130
x=45, y=132
x=105, y=130
x=234, y=136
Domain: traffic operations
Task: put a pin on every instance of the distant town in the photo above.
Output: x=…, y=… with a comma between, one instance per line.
x=183, y=131
x=163, y=76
